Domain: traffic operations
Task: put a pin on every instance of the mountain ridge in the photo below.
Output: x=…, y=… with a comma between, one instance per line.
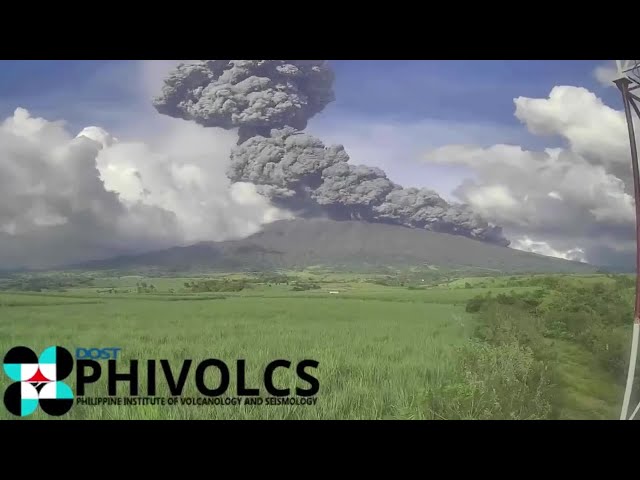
x=301, y=243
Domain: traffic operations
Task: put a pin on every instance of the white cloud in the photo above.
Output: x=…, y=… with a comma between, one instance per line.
x=572, y=201
x=591, y=128
x=606, y=73
x=397, y=146
x=185, y=174
x=99, y=135
x=490, y=197
x=555, y=195
x=66, y=199
x=543, y=248
x=158, y=183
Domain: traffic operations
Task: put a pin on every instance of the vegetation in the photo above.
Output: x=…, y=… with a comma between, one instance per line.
x=596, y=317
x=412, y=344
x=520, y=339
x=374, y=356
x=302, y=286
x=39, y=283
x=223, y=285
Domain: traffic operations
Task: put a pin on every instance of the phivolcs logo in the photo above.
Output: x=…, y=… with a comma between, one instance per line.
x=38, y=381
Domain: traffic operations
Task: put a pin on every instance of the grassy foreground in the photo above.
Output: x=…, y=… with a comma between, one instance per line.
x=391, y=348
x=374, y=356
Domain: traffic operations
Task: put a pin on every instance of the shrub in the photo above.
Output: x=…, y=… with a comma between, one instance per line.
x=525, y=302
x=494, y=382
x=475, y=304
x=598, y=318
x=610, y=347
x=301, y=287
x=224, y=285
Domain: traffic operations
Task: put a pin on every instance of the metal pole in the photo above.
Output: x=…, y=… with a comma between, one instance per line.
x=634, y=412
x=631, y=373
x=623, y=85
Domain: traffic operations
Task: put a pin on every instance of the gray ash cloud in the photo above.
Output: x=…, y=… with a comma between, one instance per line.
x=298, y=172
x=270, y=102
x=424, y=208
x=287, y=158
x=251, y=95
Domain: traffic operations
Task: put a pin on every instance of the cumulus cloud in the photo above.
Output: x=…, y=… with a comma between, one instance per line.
x=97, y=134
x=67, y=198
x=543, y=248
x=591, y=129
x=606, y=73
x=396, y=146
x=572, y=202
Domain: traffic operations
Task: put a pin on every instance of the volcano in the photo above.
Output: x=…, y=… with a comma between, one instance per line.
x=353, y=245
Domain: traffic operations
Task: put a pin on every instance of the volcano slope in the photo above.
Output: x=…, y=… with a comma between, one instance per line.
x=355, y=245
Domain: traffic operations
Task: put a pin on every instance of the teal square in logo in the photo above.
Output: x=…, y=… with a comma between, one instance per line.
x=48, y=356
x=13, y=371
x=28, y=406
x=63, y=391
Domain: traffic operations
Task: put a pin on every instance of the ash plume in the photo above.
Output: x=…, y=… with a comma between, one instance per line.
x=251, y=95
x=270, y=102
x=351, y=191
x=424, y=208
x=287, y=159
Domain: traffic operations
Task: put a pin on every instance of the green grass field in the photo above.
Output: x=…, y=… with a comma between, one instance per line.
x=374, y=356
x=380, y=349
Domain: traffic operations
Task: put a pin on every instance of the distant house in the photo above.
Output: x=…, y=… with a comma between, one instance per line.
x=334, y=292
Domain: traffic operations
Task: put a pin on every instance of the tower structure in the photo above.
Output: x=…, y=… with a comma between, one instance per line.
x=628, y=81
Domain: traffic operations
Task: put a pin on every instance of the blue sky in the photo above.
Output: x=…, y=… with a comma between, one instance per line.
x=408, y=90
x=386, y=113
x=452, y=90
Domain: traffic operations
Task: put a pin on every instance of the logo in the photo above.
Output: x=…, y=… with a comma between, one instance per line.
x=38, y=381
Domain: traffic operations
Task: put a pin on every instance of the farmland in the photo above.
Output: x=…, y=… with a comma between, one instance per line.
x=398, y=346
